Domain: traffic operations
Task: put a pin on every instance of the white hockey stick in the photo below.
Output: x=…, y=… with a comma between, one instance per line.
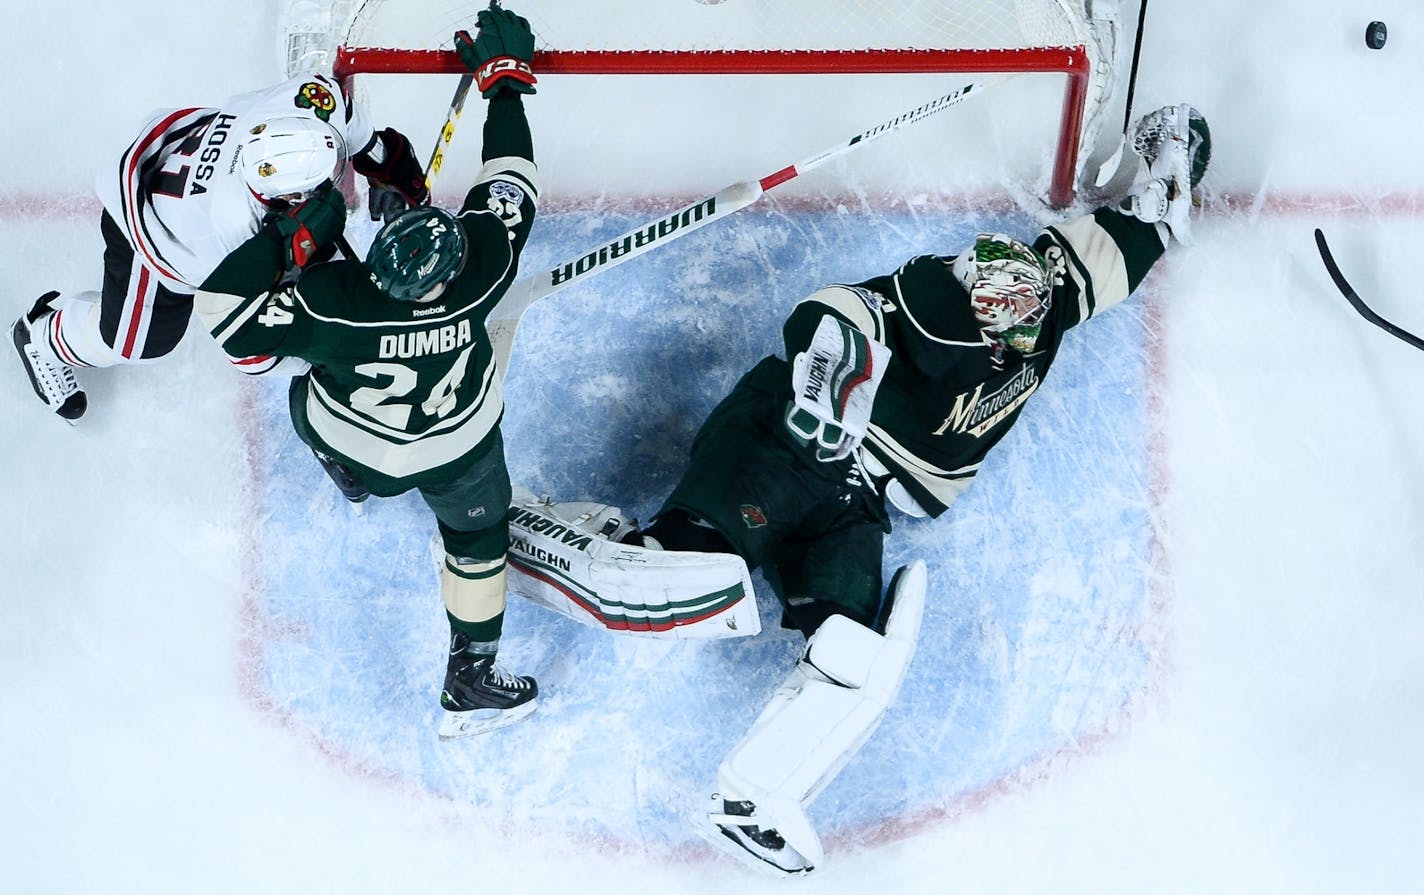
x=503, y=322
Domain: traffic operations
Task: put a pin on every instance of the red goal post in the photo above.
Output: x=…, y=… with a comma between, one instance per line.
x=718, y=37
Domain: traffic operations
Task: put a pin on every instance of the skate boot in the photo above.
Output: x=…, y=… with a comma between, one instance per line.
x=352, y=488
x=53, y=382
x=480, y=695
x=759, y=847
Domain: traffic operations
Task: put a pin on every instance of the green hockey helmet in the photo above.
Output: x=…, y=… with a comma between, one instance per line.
x=417, y=253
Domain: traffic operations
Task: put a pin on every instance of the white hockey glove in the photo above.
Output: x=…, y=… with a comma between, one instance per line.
x=834, y=382
x=1174, y=144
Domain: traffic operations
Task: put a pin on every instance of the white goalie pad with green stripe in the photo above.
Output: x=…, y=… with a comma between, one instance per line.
x=565, y=557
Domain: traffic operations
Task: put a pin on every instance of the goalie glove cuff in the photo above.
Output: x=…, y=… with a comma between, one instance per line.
x=505, y=71
x=1149, y=204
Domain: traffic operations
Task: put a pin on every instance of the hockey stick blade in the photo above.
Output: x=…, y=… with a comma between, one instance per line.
x=1354, y=299
x=503, y=322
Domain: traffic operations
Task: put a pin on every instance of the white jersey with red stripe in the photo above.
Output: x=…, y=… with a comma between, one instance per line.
x=177, y=191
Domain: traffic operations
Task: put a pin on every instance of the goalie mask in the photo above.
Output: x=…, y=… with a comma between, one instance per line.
x=417, y=253
x=1009, y=286
x=287, y=158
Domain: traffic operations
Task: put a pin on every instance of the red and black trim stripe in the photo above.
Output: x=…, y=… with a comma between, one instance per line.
x=141, y=165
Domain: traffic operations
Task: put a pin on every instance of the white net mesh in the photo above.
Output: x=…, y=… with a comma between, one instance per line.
x=312, y=29
x=733, y=24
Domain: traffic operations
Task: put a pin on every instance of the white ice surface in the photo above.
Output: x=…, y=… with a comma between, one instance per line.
x=199, y=696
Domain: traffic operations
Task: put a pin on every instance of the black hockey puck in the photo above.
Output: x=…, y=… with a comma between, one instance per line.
x=1375, y=35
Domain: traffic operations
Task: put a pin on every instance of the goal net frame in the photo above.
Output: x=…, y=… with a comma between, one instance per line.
x=1086, y=69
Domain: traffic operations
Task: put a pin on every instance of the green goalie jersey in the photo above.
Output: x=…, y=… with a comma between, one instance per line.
x=405, y=393
x=949, y=394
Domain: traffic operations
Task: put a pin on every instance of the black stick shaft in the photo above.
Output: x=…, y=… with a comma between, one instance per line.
x=1354, y=299
x=1132, y=74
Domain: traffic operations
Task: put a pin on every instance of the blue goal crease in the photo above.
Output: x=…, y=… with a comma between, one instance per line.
x=1038, y=575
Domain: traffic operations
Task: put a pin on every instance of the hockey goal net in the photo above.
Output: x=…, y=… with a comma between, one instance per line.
x=743, y=37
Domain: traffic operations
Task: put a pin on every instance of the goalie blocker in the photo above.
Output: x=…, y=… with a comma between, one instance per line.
x=566, y=557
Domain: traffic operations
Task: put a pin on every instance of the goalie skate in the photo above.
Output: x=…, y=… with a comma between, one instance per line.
x=53, y=382
x=566, y=557
x=732, y=828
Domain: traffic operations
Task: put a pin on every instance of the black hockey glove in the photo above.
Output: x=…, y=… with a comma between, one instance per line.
x=304, y=230
x=500, y=55
x=397, y=181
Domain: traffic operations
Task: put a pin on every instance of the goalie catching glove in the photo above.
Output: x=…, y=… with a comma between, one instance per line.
x=500, y=54
x=1174, y=144
x=833, y=384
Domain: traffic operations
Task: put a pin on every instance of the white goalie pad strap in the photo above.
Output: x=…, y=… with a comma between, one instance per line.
x=898, y=495
x=823, y=713
x=834, y=382
x=559, y=559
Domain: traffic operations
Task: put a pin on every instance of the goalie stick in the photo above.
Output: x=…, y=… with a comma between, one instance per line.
x=1354, y=299
x=1112, y=163
x=503, y=322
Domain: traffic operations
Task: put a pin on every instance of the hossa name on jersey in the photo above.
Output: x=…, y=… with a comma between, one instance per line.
x=177, y=191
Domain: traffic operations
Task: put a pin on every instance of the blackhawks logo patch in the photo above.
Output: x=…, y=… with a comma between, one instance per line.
x=753, y=516
x=316, y=97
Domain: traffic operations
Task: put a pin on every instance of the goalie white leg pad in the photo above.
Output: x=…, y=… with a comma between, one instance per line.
x=560, y=557
x=817, y=720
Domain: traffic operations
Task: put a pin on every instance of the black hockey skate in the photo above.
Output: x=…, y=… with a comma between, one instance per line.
x=352, y=488
x=480, y=695
x=54, y=383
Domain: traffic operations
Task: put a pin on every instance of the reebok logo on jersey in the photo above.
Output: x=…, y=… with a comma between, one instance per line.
x=427, y=312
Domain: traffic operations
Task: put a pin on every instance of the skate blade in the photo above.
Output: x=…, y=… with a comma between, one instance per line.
x=458, y=725
x=781, y=863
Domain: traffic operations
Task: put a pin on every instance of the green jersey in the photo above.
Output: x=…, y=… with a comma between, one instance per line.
x=405, y=393
x=950, y=393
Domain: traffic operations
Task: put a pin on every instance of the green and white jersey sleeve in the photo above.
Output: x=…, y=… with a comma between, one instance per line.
x=949, y=393
x=406, y=393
